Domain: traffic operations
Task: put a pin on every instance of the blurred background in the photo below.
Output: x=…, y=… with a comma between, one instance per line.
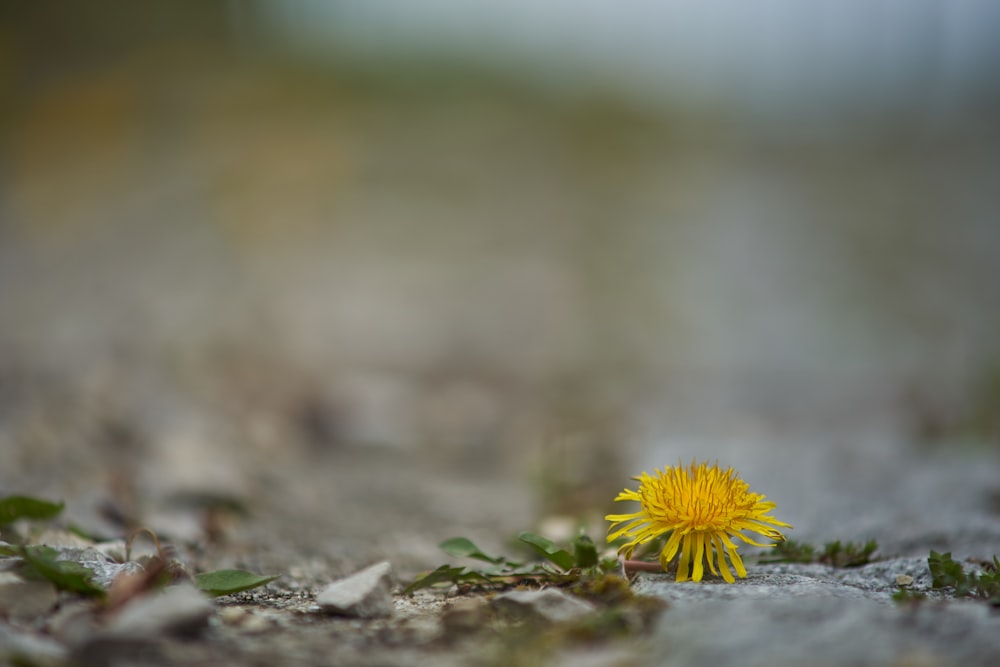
x=252, y=248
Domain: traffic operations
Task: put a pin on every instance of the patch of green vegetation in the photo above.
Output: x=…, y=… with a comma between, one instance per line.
x=560, y=565
x=908, y=596
x=43, y=562
x=848, y=554
x=837, y=554
x=948, y=573
x=791, y=551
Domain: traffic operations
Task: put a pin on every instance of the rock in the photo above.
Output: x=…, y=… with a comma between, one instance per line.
x=178, y=611
x=116, y=650
x=22, y=600
x=791, y=614
x=365, y=594
x=233, y=615
x=74, y=622
x=22, y=648
x=114, y=550
x=244, y=619
x=465, y=616
x=874, y=581
x=757, y=586
x=824, y=631
x=549, y=605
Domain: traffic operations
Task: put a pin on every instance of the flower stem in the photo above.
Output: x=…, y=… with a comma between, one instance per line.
x=640, y=566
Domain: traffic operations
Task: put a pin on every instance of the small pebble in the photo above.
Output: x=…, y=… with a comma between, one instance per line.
x=364, y=594
x=904, y=580
x=255, y=623
x=233, y=615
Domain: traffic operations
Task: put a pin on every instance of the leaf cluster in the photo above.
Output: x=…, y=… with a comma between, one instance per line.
x=42, y=562
x=836, y=553
x=848, y=554
x=558, y=564
x=949, y=573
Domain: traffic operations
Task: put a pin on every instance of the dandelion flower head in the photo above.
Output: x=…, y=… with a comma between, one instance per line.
x=703, y=508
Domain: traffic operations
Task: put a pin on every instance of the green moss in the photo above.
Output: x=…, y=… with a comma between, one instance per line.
x=836, y=553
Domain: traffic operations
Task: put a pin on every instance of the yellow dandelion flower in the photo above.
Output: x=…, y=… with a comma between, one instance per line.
x=702, y=508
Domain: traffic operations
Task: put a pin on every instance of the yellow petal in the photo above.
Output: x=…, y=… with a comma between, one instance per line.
x=710, y=553
x=737, y=563
x=723, y=566
x=670, y=549
x=683, y=567
x=699, y=554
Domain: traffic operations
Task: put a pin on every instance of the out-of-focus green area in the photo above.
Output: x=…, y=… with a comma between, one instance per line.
x=426, y=252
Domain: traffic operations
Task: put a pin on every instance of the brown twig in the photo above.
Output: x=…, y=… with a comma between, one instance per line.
x=639, y=566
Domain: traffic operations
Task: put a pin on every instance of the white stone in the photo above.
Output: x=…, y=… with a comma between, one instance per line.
x=364, y=594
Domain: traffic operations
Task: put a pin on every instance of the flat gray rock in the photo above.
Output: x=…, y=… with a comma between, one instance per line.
x=794, y=614
x=548, y=605
x=875, y=581
x=825, y=631
x=364, y=594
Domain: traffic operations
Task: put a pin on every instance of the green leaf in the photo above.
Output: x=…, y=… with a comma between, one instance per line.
x=461, y=547
x=227, y=582
x=447, y=574
x=584, y=552
x=549, y=550
x=945, y=572
x=13, y=508
x=66, y=575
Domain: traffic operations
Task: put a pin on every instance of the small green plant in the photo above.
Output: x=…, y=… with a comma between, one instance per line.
x=791, y=551
x=43, y=562
x=949, y=573
x=837, y=554
x=559, y=566
x=848, y=554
